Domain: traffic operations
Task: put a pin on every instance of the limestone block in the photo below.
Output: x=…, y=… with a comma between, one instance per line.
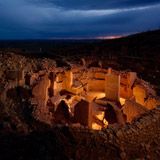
x=68, y=80
x=40, y=91
x=83, y=113
x=96, y=85
x=62, y=114
x=140, y=94
x=128, y=78
x=126, y=83
x=57, y=87
x=132, y=109
x=126, y=92
x=112, y=87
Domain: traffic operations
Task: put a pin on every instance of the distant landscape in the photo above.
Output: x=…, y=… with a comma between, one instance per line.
x=140, y=49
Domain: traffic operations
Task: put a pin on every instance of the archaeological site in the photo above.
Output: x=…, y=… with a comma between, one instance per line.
x=78, y=96
x=76, y=109
x=79, y=79
x=80, y=100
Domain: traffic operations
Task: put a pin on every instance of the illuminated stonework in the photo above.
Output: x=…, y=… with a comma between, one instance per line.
x=94, y=97
x=80, y=96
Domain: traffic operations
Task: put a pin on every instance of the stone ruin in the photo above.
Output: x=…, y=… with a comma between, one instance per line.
x=78, y=96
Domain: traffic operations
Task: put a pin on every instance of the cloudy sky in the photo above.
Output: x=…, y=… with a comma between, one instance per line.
x=50, y=19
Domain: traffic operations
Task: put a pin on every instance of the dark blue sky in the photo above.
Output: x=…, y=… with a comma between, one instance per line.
x=49, y=19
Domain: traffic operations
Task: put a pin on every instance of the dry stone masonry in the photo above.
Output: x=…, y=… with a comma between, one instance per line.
x=92, y=97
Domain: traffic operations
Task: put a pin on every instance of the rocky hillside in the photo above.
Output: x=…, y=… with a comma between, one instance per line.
x=140, y=49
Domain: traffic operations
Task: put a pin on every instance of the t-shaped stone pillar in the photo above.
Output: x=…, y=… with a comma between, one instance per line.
x=112, y=87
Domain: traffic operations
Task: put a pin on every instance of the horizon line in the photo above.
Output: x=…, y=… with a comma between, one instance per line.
x=110, y=37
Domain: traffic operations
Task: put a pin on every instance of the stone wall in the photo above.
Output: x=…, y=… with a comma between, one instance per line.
x=139, y=140
x=96, y=85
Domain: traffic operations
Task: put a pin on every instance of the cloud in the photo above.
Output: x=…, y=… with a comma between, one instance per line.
x=97, y=4
x=58, y=19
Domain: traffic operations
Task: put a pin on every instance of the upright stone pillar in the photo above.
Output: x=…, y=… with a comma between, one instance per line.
x=112, y=87
x=68, y=79
x=83, y=113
